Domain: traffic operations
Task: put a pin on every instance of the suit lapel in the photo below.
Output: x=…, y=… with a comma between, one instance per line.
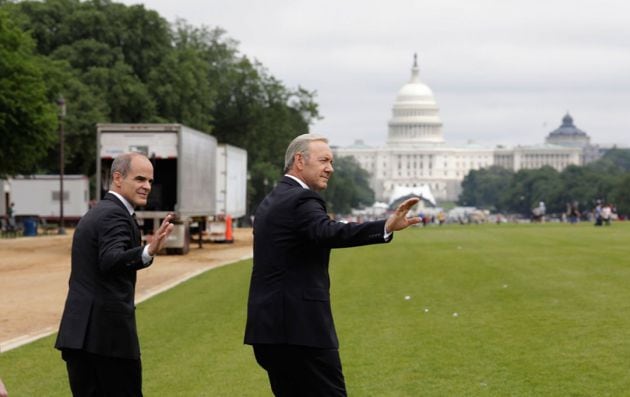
x=135, y=230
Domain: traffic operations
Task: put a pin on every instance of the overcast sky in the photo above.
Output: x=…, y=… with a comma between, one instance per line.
x=502, y=71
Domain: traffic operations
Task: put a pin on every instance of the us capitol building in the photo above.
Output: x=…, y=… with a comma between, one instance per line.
x=417, y=160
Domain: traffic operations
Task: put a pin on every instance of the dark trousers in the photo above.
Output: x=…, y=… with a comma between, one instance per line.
x=299, y=371
x=93, y=375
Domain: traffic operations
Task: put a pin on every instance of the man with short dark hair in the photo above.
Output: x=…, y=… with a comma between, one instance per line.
x=289, y=319
x=97, y=335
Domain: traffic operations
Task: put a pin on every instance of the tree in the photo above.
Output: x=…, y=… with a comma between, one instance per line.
x=585, y=186
x=27, y=118
x=529, y=187
x=348, y=188
x=85, y=107
x=118, y=63
x=98, y=55
x=614, y=162
x=181, y=89
x=483, y=188
x=620, y=196
x=242, y=103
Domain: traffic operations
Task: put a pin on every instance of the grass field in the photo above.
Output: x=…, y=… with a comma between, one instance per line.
x=542, y=310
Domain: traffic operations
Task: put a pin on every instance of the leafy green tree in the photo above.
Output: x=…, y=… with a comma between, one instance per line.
x=118, y=63
x=483, y=188
x=349, y=187
x=615, y=161
x=246, y=106
x=181, y=89
x=142, y=36
x=27, y=119
x=263, y=178
x=529, y=187
x=585, y=186
x=620, y=196
x=523, y=190
x=85, y=107
x=98, y=56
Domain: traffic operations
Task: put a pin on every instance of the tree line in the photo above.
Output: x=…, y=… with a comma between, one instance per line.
x=117, y=63
x=502, y=190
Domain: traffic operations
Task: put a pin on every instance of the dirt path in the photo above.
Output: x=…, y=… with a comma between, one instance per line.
x=34, y=279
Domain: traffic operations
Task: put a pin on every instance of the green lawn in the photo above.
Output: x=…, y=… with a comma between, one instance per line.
x=542, y=310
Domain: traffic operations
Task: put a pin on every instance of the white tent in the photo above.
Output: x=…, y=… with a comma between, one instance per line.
x=422, y=191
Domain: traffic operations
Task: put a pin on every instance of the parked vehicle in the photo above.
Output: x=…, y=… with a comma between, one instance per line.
x=188, y=182
x=38, y=196
x=231, y=192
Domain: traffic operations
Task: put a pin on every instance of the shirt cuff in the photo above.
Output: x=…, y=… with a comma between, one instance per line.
x=385, y=234
x=146, y=258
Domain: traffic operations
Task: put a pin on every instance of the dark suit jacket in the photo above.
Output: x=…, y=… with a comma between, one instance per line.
x=289, y=296
x=99, y=315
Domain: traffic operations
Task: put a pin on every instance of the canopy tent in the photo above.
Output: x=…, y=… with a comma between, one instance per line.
x=401, y=193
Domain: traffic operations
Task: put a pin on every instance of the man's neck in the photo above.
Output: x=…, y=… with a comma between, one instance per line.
x=124, y=201
x=298, y=180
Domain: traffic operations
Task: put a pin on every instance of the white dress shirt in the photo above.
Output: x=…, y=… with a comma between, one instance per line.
x=146, y=258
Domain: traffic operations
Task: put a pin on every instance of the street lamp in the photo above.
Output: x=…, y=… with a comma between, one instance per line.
x=61, y=103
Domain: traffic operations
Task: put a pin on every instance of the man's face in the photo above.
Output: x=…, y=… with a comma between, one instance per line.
x=317, y=165
x=135, y=187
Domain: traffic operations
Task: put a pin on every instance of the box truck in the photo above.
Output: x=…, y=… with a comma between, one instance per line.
x=184, y=163
x=38, y=195
x=5, y=197
x=231, y=192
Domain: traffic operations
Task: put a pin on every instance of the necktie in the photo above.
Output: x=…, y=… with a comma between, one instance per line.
x=135, y=220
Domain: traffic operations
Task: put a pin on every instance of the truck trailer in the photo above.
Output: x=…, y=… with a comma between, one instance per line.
x=184, y=163
x=38, y=195
x=231, y=192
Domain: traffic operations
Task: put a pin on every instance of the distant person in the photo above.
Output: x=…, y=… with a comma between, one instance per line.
x=538, y=213
x=606, y=214
x=3, y=390
x=573, y=213
x=441, y=218
x=598, y=213
x=289, y=318
x=423, y=218
x=11, y=216
x=97, y=336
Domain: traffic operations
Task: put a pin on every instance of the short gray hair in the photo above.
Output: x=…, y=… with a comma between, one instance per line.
x=300, y=145
x=122, y=163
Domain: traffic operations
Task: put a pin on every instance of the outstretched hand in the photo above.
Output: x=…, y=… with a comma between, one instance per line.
x=160, y=236
x=398, y=220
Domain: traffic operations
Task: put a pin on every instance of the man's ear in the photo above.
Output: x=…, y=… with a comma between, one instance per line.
x=299, y=161
x=116, y=178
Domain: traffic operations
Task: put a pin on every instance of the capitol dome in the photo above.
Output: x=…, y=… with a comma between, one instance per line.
x=568, y=134
x=415, y=89
x=415, y=119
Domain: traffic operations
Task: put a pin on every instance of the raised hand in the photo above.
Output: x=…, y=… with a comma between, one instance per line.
x=160, y=237
x=398, y=220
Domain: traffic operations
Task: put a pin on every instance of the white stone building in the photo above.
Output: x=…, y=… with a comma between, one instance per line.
x=568, y=135
x=416, y=155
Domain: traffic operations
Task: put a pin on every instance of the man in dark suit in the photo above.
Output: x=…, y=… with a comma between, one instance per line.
x=289, y=320
x=97, y=335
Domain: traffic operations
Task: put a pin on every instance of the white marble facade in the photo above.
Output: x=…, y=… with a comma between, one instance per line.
x=416, y=154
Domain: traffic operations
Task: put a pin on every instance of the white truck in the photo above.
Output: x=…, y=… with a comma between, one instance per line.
x=5, y=197
x=184, y=167
x=38, y=195
x=231, y=192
